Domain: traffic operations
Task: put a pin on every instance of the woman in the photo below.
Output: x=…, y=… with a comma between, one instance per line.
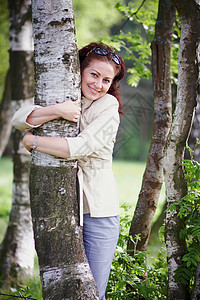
x=101, y=71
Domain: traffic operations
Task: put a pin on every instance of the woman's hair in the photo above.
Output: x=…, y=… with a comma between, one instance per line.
x=86, y=55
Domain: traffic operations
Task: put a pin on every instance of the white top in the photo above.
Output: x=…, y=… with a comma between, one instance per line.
x=93, y=148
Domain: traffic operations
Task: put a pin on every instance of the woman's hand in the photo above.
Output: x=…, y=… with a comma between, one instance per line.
x=28, y=140
x=69, y=110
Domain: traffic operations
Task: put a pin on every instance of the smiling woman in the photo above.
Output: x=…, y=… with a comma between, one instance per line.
x=97, y=79
x=101, y=71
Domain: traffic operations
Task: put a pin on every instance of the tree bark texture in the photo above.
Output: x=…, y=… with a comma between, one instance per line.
x=176, y=188
x=153, y=176
x=5, y=116
x=196, y=290
x=64, y=270
x=17, y=249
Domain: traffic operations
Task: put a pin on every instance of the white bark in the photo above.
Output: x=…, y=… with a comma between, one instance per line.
x=54, y=33
x=64, y=270
x=23, y=41
x=17, y=250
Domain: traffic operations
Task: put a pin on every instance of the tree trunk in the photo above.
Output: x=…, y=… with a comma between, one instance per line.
x=5, y=116
x=176, y=188
x=153, y=176
x=17, y=249
x=196, y=290
x=64, y=270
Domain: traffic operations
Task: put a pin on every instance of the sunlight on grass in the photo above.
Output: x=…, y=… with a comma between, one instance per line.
x=129, y=180
x=6, y=178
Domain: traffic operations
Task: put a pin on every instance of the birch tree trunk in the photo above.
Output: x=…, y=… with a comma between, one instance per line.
x=188, y=72
x=64, y=270
x=17, y=249
x=153, y=176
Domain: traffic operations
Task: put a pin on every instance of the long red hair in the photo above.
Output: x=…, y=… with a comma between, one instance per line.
x=86, y=59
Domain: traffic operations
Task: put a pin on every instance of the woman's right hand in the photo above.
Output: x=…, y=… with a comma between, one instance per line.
x=69, y=110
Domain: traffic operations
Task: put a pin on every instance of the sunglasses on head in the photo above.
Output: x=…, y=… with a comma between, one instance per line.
x=103, y=51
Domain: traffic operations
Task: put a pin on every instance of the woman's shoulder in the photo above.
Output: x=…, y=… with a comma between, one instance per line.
x=106, y=102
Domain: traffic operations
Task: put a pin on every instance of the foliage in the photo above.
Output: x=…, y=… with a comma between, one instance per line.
x=189, y=209
x=20, y=293
x=32, y=291
x=94, y=19
x=137, y=41
x=130, y=277
x=4, y=25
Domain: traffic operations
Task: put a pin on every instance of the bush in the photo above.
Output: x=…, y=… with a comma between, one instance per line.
x=189, y=209
x=130, y=277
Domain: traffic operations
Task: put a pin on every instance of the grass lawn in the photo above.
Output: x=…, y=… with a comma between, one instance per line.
x=129, y=179
x=6, y=178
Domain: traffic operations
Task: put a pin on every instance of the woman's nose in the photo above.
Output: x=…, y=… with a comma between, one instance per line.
x=98, y=83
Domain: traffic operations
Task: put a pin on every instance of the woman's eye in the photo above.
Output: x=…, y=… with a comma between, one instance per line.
x=107, y=80
x=94, y=74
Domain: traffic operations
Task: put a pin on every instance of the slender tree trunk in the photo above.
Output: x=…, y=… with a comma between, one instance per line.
x=64, y=270
x=5, y=116
x=196, y=290
x=176, y=188
x=17, y=249
x=153, y=176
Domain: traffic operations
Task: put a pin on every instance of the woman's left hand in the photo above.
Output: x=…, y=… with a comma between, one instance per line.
x=28, y=140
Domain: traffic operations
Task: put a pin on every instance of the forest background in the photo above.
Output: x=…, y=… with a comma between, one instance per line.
x=98, y=22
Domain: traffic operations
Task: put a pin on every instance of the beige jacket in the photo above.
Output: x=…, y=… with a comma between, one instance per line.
x=93, y=148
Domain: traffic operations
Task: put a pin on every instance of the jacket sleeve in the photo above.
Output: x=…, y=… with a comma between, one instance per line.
x=19, y=118
x=101, y=132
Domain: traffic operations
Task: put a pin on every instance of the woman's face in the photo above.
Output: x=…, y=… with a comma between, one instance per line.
x=96, y=79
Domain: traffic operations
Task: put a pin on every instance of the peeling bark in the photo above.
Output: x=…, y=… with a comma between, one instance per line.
x=64, y=270
x=17, y=249
x=189, y=12
x=153, y=176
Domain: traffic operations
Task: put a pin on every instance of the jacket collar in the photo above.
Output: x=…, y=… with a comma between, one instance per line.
x=85, y=103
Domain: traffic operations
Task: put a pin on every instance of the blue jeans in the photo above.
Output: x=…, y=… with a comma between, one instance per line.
x=100, y=236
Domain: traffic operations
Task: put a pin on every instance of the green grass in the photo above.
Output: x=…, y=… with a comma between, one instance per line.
x=129, y=180
x=6, y=178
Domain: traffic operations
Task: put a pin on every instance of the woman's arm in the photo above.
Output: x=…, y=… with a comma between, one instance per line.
x=31, y=116
x=49, y=145
x=100, y=132
x=68, y=110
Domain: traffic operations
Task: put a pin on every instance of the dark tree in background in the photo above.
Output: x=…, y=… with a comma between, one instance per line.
x=176, y=188
x=153, y=176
